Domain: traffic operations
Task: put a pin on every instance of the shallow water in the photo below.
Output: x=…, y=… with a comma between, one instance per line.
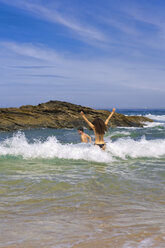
x=56, y=192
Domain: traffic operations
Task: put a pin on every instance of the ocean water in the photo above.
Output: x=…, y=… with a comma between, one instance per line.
x=58, y=193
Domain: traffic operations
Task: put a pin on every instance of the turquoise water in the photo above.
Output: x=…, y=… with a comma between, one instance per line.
x=57, y=192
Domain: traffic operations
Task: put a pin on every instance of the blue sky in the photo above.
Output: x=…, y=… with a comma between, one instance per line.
x=102, y=54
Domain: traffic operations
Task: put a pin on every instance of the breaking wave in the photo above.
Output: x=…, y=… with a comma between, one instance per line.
x=122, y=148
x=160, y=118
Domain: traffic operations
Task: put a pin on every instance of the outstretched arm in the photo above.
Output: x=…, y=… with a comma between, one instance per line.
x=109, y=117
x=88, y=122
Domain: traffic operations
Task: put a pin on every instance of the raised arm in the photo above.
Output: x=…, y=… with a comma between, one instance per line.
x=109, y=117
x=88, y=122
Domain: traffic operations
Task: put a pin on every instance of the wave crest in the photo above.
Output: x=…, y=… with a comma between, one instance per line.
x=156, y=117
x=122, y=148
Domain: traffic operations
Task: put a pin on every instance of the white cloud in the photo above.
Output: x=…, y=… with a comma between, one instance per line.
x=129, y=68
x=98, y=82
x=122, y=25
x=137, y=25
x=149, y=14
x=29, y=50
x=92, y=72
x=84, y=31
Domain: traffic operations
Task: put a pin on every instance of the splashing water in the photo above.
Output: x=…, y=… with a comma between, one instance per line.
x=57, y=192
x=18, y=145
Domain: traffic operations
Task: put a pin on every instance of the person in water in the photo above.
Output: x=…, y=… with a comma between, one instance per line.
x=99, y=127
x=84, y=137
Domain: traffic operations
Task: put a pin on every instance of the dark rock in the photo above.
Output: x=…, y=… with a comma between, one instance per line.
x=57, y=114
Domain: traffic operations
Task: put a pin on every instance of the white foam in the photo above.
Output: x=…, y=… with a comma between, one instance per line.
x=122, y=148
x=51, y=148
x=153, y=124
x=119, y=133
x=127, y=147
x=156, y=117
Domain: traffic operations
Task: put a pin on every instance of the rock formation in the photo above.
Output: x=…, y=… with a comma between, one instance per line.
x=57, y=114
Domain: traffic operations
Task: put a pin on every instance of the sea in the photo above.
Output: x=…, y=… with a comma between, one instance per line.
x=56, y=192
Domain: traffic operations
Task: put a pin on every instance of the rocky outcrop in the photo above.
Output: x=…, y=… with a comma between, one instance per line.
x=57, y=114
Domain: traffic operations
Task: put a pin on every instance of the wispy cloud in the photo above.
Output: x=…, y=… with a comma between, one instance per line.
x=128, y=70
x=83, y=30
x=122, y=25
x=32, y=67
x=151, y=15
x=101, y=70
x=136, y=24
x=116, y=82
x=29, y=50
x=46, y=76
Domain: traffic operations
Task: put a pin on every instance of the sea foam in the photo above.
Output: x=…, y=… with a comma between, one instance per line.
x=122, y=148
x=18, y=145
x=127, y=147
x=156, y=117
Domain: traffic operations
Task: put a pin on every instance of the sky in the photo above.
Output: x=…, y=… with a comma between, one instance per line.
x=102, y=54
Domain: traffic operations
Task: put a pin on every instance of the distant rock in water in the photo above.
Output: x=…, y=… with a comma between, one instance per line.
x=57, y=114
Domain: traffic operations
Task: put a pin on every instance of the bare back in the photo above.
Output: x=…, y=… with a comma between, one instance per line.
x=99, y=138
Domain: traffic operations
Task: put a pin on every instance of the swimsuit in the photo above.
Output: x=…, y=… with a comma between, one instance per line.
x=100, y=145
